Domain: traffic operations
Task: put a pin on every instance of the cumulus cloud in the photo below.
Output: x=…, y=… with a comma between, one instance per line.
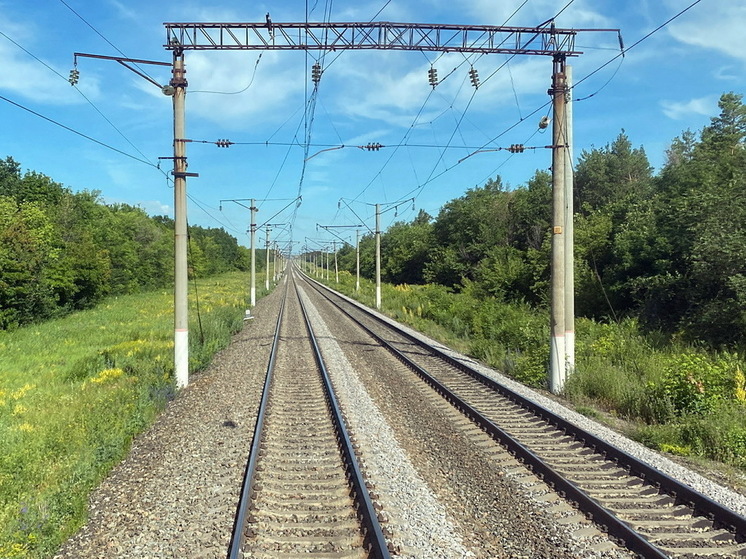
x=680, y=110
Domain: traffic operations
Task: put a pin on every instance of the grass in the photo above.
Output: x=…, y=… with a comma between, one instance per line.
x=75, y=391
x=676, y=398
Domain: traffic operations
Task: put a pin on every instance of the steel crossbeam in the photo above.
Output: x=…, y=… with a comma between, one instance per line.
x=543, y=40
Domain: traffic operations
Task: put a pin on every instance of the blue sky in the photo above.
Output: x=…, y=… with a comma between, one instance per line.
x=666, y=84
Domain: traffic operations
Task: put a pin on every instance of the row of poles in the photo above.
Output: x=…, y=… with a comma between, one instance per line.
x=562, y=343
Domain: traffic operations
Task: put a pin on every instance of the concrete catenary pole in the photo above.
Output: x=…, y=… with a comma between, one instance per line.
x=252, y=228
x=266, y=270
x=378, y=256
x=557, y=307
x=357, y=259
x=274, y=261
x=336, y=268
x=569, y=235
x=181, y=306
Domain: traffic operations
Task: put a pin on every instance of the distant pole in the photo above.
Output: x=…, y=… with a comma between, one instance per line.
x=357, y=258
x=559, y=141
x=266, y=270
x=274, y=261
x=569, y=236
x=336, y=268
x=378, y=256
x=252, y=228
x=326, y=252
x=181, y=305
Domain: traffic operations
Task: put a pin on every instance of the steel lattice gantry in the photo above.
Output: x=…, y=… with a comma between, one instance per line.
x=543, y=40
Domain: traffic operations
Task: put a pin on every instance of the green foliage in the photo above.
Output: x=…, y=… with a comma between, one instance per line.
x=62, y=251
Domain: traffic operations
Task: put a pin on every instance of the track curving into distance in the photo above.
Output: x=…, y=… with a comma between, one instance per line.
x=652, y=513
x=303, y=492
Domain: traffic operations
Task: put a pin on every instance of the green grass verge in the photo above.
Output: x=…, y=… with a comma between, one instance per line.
x=673, y=397
x=75, y=391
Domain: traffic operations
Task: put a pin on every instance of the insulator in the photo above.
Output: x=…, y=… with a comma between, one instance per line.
x=474, y=77
x=432, y=76
x=316, y=73
x=74, y=75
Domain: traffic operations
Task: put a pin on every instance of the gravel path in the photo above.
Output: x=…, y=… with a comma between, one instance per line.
x=175, y=494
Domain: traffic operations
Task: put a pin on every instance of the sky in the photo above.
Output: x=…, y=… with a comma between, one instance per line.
x=108, y=132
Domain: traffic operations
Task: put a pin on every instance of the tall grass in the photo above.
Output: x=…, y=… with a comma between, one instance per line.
x=675, y=397
x=75, y=391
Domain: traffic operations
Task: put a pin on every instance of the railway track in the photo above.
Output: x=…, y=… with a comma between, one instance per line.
x=651, y=513
x=303, y=492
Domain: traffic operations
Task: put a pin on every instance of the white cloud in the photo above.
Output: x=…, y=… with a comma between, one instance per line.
x=712, y=25
x=27, y=77
x=245, y=99
x=490, y=12
x=679, y=110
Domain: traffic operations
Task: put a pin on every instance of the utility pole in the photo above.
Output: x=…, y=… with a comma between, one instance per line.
x=266, y=270
x=557, y=357
x=336, y=268
x=176, y=89
x=357, y=258
x=252, y=227
x=274, y=261
x=181, y=313
x=252, y=233
x=569, y=235
x=378, y=256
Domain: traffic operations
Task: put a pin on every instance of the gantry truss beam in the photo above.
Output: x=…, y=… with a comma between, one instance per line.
x=543, y=40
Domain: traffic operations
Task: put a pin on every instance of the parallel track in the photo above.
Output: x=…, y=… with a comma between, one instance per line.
x=303, y=492
x=652, y=513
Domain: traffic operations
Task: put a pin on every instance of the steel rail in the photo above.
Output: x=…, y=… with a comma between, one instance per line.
x=377, y=541
x=247, y=489
x=699, y=503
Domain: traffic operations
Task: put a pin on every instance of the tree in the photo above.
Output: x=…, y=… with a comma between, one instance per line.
x=465, y=230
x=404, y=250
x=611, y=175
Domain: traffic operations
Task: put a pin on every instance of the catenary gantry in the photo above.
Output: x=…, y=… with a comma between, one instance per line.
x=542, y=40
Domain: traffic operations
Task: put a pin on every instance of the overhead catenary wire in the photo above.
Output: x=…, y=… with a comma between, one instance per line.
x=40, y=61
x=77, y=132
x=116, y=48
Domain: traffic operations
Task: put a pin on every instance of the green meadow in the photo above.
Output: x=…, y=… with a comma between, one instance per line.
x=75, y=391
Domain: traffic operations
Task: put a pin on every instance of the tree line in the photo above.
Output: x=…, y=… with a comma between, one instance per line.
x=62, y=250
x=668, y=249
